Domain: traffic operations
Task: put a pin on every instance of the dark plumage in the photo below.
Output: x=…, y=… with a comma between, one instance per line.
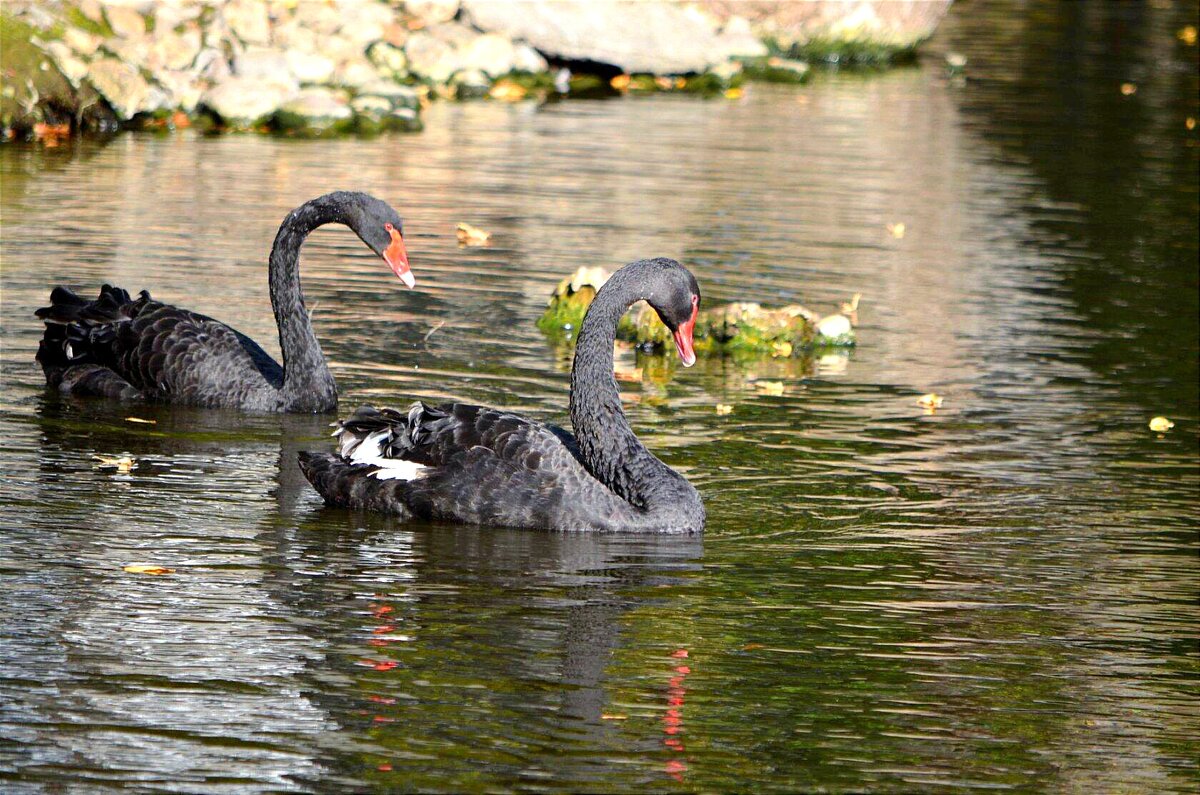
x=476, y=465
x=142, y=349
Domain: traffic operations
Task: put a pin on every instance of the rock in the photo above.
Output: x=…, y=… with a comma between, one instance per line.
x=355, y=73
x=309, y=67
x=183, y=87
x=340, y=49
x=82, y=42
x=319, y=17
x=170, y=15
x=121, y=84
x=135, y=51
x=315, y=111
x=247, y=19
x=737, y=40
x=243, y=102
x=125, y=21
x=430, y=57
x=490, y=53
x=173, y=50
x=470, y=83
x=211, y=65
x=398, y=96
x=432, y=11
x=292, y=35
x=72, y=67
x=527, y=59
x=265, y=65
x=364, y=21
x=835, y=327
x=454, y=34
x=389, y=60
x=653, y=36
x=92, y=10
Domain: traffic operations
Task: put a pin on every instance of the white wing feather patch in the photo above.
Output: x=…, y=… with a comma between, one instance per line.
x=369, y=450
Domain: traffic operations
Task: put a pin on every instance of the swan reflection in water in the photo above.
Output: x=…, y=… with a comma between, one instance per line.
x=328, y=641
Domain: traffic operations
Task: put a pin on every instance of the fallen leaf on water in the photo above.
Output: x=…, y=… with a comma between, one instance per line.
x=471, y=236
x=723, y=409
x=613, y=716
x=139, y=419
x=1187, y=35
x=1128, y=89
x=147, y=568
x=385, y=666
x=931, y=401
x=384, y=768
x=620, y=82
x=770, y=387
x=124, y=464
x=733, y=93
x=896, y=230
x=1161, y=425
x=1190, y=122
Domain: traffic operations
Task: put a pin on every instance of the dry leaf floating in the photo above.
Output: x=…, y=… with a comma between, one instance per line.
x=147, y=568
x=123, y=464
x=724, y=409
x=896, y=230
x=471, y=236
x=1161, y=425
x=142, y=421
x=931, y=401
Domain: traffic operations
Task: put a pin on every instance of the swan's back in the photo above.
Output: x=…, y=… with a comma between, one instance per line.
x=476, y=466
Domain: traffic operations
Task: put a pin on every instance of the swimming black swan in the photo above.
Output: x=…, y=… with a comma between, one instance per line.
x=145, y=350
x=477, y=465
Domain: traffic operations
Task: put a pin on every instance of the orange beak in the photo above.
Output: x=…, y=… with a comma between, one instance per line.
x=396, y=256
x=683, y=335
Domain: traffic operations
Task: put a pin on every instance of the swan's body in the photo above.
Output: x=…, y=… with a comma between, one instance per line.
x=476, y=465
x=142, y=349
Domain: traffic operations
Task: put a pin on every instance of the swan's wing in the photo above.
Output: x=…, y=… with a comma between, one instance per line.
x=160, y=350
x=467, y=464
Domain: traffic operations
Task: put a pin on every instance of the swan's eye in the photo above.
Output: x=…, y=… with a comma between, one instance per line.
x=388, y=227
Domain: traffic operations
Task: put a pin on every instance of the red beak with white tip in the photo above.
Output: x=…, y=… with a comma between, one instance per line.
x=683, y=335
x=396, y=256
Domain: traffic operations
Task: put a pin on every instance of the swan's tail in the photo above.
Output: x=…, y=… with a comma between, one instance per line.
x=374, y=463
x=76, y=328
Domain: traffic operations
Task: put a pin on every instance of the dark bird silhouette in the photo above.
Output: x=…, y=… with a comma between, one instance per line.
x=141, y=349
x=477, y=465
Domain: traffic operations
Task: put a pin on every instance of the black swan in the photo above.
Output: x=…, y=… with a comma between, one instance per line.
x=476, y=465
x=145, y=350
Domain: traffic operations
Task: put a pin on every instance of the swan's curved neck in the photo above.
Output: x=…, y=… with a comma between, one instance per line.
x=307, y=382
x=610, y=450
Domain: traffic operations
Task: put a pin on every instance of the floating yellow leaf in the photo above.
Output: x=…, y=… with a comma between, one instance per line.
x=1161, y=425
x=620, y=82
x=781, y=348
x=1190, y=122
x=733, y=93
x=123, y=464
x=508, y=91
x=471, y=236
x=770, y=387
x=896, y=230
x=1187, y=35
x=1128, y=89
x=680, y=83
x=723, y=409
x=613, y=716
x=139, y=419
x=930, y=401
x=147, y=568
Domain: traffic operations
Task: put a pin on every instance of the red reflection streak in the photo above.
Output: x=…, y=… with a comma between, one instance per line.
x=673, y=718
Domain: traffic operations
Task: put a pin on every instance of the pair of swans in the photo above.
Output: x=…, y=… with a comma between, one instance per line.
x=454, y=462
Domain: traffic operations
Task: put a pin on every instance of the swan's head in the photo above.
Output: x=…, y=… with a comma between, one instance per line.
x=677, y=302
x=380, y=227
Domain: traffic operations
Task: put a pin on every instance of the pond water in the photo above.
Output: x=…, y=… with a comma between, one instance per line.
x=1002, y=594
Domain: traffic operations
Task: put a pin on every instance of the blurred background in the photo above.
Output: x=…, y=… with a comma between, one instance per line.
x=996, y=592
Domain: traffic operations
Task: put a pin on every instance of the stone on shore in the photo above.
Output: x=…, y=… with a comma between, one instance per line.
x=121, y=84
x=244, y=102
x=315, y=112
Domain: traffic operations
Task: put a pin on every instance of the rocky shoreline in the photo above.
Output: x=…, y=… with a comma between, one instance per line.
x=330, y=67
